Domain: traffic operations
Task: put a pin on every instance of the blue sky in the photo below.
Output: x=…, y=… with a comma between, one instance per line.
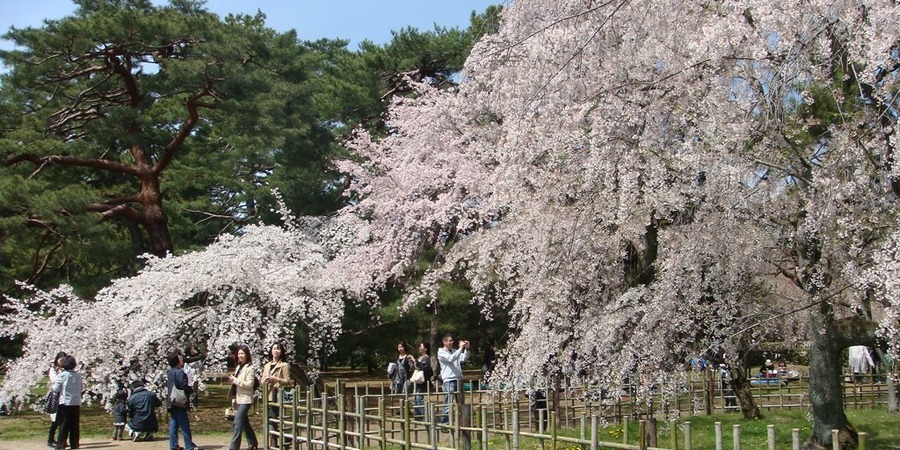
x=347, y=19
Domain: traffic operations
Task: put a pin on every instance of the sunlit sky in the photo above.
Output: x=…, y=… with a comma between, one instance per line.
x=313, y=19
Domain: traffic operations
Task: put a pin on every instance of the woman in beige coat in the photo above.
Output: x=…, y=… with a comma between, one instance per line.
x=276, y=374
x=241, y=398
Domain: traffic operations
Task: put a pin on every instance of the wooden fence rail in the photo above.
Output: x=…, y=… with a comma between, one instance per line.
x=360, y=416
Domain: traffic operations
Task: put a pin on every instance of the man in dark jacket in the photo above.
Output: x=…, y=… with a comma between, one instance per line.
x=142, y=406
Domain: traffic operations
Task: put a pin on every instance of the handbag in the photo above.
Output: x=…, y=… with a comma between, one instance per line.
x=418, y=376
x=178, y=398
x=229, y=414
x=51, y=402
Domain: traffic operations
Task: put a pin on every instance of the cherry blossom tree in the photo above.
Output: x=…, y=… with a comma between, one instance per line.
x=637, y=179
x=254, y=288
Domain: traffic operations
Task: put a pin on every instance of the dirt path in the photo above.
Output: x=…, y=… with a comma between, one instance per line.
x=159, y=442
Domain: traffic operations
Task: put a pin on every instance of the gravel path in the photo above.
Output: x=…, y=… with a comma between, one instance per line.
x=159, y=442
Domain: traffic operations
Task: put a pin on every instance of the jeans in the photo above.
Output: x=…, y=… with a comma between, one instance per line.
x=419, y=400
x=242, y=424
x=178, y=418
x=449, y=388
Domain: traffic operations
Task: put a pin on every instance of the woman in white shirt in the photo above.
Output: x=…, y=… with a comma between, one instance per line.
x=69, y=385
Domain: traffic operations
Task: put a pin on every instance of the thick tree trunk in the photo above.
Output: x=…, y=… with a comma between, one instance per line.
x=741, y=387
x=825, y=391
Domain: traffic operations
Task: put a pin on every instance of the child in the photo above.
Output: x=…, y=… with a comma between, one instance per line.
x=119, y=413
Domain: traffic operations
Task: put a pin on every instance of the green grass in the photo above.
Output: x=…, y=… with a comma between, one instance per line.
x=883, y=430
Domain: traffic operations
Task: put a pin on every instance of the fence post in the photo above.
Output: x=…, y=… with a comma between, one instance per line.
x=506, y=427
x=432, y=425
x=265, y=401
x=325, y=419
x=687, y=435
x=341, y=437
x=642, y=435
x=718, y=435
x=361, y=421
x=835, y=440
x=863, y=437
x=407, y=426
x=737, y=436
x=515, y=428
x=594, y=432
x=673, y=434
x=795, y=439
x=295, y=416
x=484, y=428
x=625, y=430
x=382, y=419
x=309, y=419
x=553, y=419
x=771, y=433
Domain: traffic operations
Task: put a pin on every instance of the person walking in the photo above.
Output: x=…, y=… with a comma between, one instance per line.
x=52, y=373
x=451, y=371
x=69, y=385
x=178, y=413
x=276, y=374
x=241, y=395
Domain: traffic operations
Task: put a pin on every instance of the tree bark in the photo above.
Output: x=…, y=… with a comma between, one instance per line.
x=825, y=390
x=741, y=387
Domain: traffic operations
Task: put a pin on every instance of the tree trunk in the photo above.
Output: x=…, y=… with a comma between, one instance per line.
x=825, y=391
x=741, y=387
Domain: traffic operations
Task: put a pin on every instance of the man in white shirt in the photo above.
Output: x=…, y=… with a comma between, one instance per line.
x=451, y=370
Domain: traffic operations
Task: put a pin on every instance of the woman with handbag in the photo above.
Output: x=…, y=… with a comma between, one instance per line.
x=243, y=385
x=421, y=378
x=400, y=370
x=276, y=374
x=53, y=398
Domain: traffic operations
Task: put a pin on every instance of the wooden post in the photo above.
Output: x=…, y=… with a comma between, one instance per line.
x=484, y=428
x=770, y=429
x=325, y=419
x=266, y=424
x=652, y=437
x=673, y=434
x=863, y=438
x=795, y=439
x=295, y=416
x=642, y=435
x=835, y=440
x=407, y=425
x=718, y=435
x=342, y=427
x=515, y=429
x=687, y=435
x=553, y=419
x=737, y=436
x=594, y=426
x=382, y=418
x=625, y=430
